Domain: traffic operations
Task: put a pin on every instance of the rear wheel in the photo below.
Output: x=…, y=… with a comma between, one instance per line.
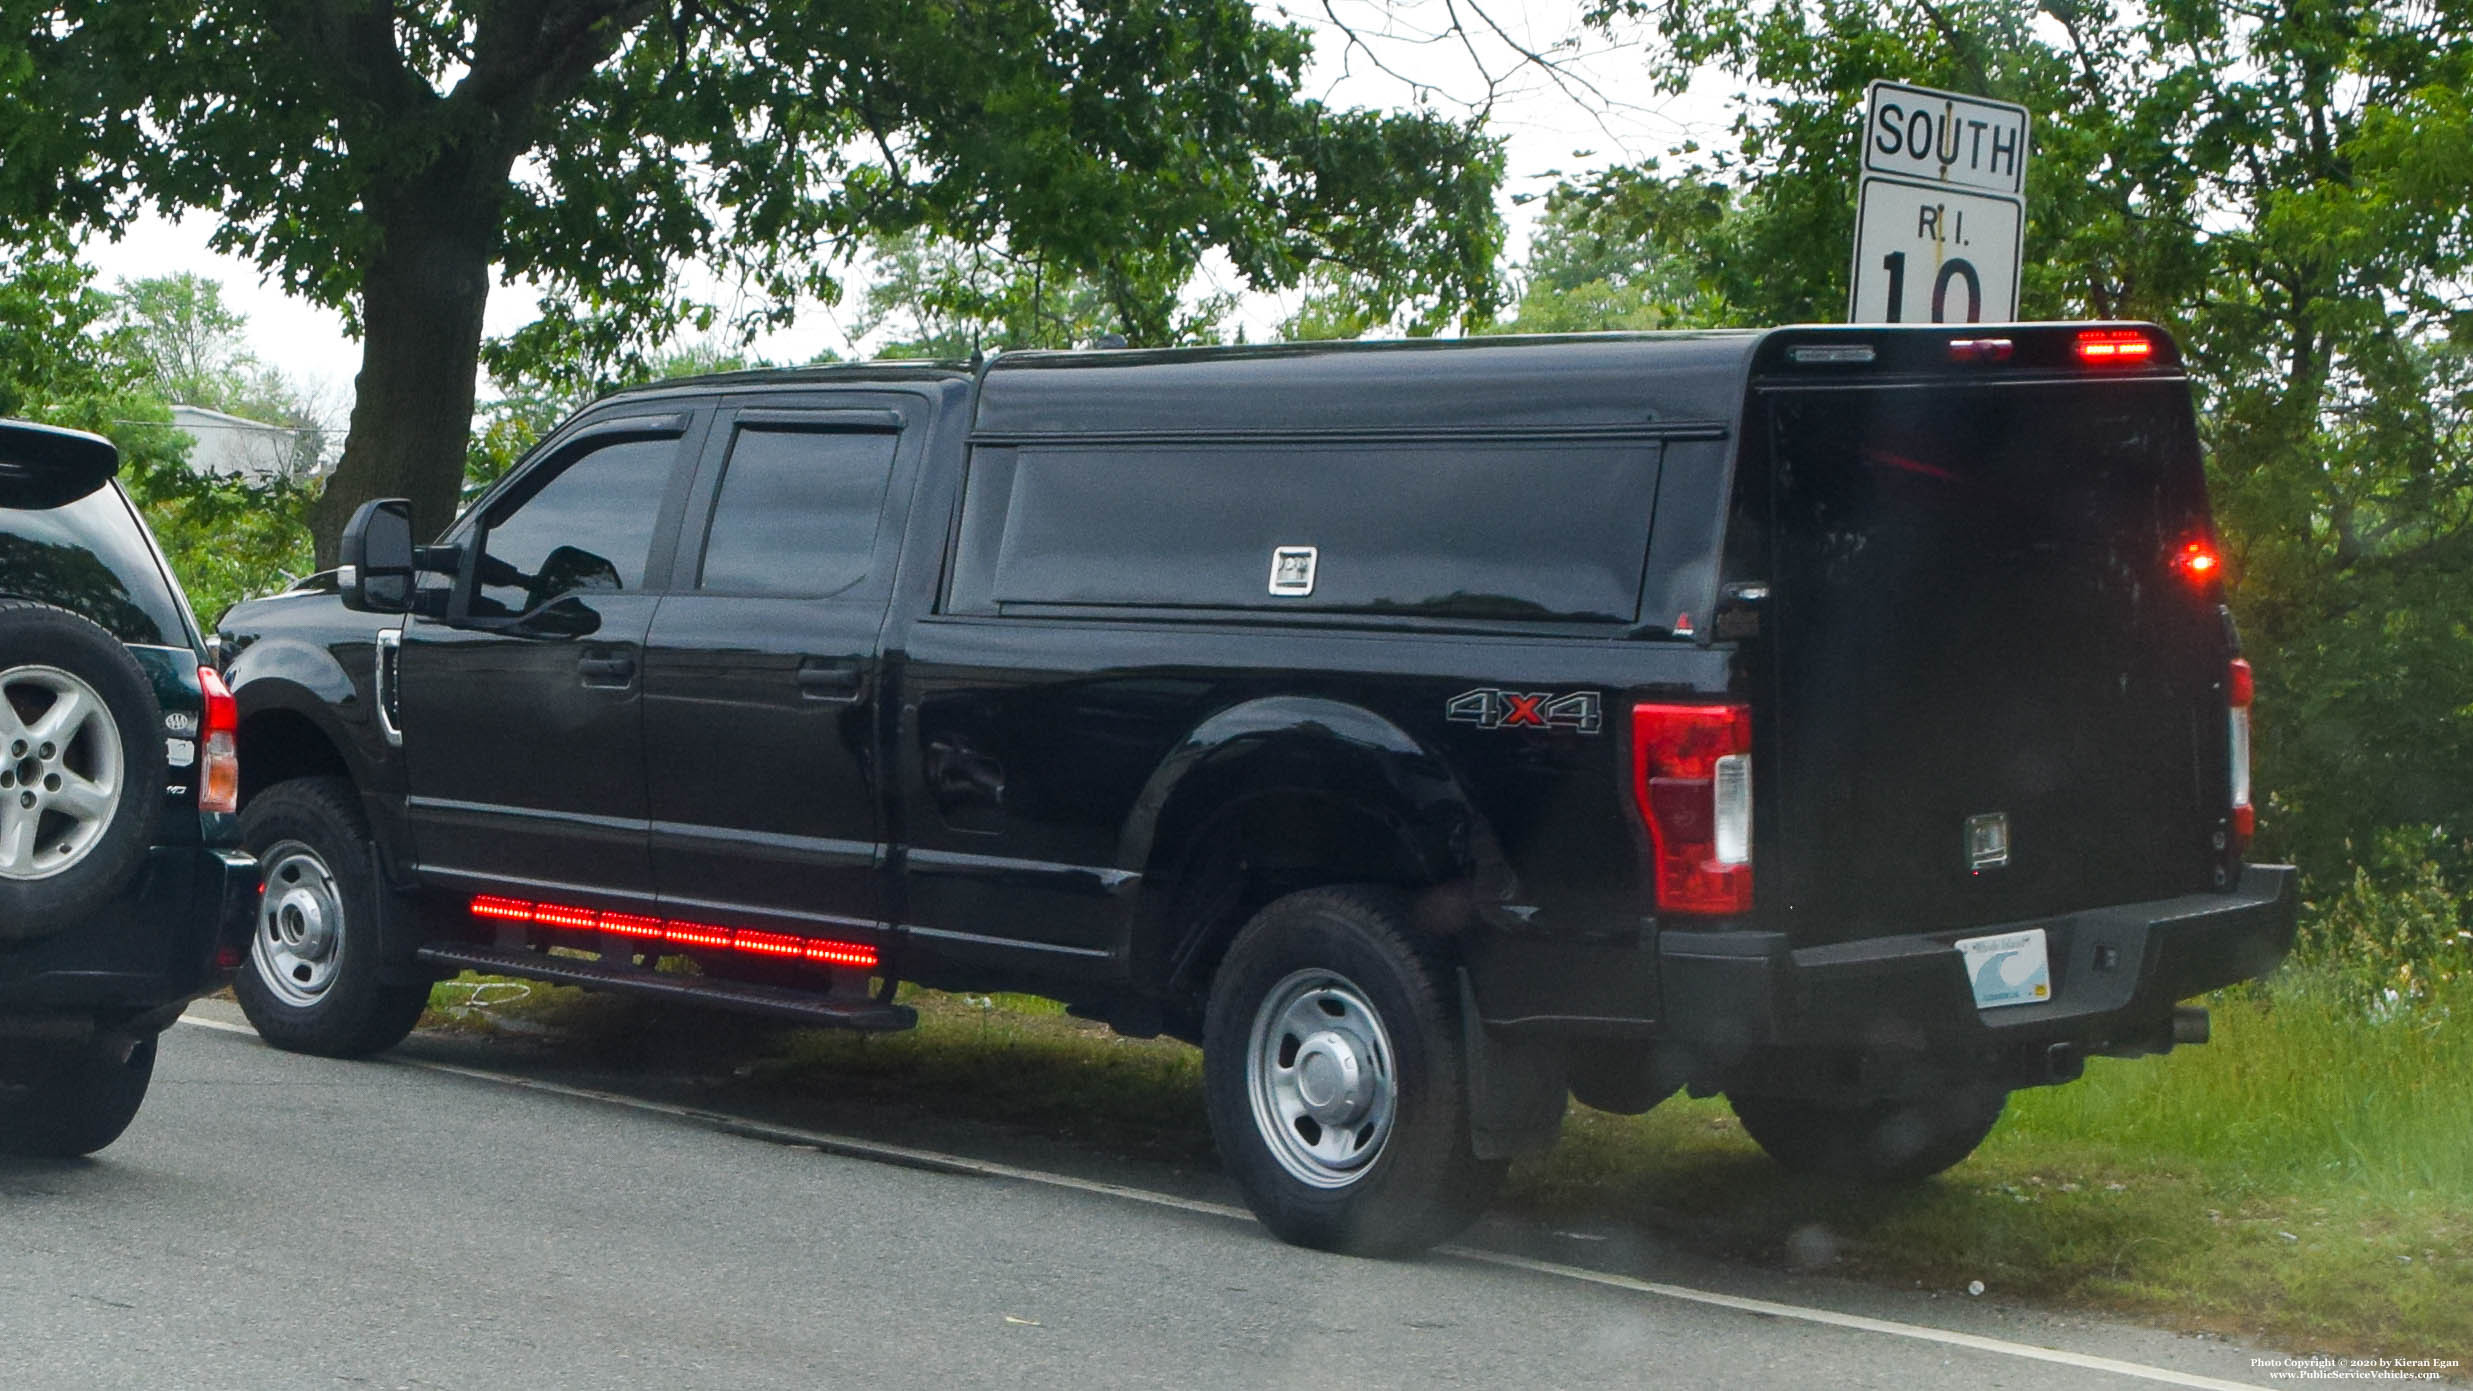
x=1898, y=1140
x=316, y=978
x=81, y=768
x=74, y=1099
x=1333, y=1075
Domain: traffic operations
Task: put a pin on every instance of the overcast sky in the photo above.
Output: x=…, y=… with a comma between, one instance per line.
x=1595, y=110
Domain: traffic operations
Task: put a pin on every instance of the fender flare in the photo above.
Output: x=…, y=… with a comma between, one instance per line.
x=1346, y=741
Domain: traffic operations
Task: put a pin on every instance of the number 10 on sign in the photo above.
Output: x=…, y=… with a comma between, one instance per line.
x=1933, y=254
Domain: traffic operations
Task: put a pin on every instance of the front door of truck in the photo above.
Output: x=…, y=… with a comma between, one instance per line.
x=764, y=681
x=522, y=707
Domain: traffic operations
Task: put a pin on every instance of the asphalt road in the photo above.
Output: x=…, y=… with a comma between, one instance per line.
x=274, y=1221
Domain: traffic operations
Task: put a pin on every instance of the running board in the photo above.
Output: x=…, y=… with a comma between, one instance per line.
x=820, y=1011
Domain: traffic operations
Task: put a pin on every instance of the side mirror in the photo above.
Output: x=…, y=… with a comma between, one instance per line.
x=374, y=558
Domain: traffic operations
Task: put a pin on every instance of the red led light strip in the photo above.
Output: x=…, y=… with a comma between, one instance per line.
x=2119, y=345
x=781, y=946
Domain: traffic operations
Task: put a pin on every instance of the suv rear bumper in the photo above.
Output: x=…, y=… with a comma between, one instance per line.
x=2117, y=972
x=154, y=948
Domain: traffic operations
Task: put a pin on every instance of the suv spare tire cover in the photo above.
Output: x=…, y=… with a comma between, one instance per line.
x=63, y=856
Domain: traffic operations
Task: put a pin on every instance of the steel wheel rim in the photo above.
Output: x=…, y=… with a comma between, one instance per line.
x=1322, y=1078
x=299, y=943
x=61, y=766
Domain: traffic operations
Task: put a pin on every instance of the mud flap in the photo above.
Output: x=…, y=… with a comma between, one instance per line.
x=399, y=930
x=1516, y=1091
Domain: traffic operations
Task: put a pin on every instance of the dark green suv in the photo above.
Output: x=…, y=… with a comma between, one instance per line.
x=123, y=893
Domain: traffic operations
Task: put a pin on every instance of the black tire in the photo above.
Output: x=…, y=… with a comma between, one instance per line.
x=313, y=842
x=39, y=645
x=1901, y=1140
x=1416, y=1182
x=74, y=1099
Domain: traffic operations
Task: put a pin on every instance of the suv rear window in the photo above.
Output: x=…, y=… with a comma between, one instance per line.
x=92, y=557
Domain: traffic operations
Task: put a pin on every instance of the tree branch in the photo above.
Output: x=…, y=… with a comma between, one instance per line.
x=354, y=55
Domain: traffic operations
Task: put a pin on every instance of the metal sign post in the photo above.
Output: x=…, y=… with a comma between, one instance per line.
x=1940, y=218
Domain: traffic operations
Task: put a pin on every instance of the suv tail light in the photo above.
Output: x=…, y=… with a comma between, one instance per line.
x=1692, y=777
x=219, y=741
x=2238, y=688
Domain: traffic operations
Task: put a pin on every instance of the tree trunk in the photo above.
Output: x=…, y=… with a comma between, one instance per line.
x=421, y=301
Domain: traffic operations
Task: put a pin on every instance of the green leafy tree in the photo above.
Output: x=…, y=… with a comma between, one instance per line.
x=2286, y=186
x=62, y=362
x=531, y=403
x=188, y=340
x=68, y=357
x=942, y=299
x=388, y=159
x=193, y=348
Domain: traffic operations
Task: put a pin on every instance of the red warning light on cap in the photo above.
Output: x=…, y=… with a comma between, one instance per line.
x=2114, y=347
x=2198, y=560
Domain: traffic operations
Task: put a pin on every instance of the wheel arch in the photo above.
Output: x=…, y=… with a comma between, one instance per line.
x=1291, y=792
x=296, y=707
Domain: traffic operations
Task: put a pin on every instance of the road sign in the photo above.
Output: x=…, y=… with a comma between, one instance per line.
x=1928, y=254
x=1944, y=138
x=1941, y=212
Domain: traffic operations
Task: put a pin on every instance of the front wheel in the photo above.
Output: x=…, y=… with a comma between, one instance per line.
x=63, y=1102
x=1333, y=1075
x=1898, y=1140
x=316, y=978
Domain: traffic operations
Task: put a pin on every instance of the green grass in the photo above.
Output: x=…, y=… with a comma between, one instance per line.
x=2305, y=1180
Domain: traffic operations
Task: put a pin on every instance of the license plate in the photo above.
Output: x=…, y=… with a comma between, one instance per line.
x=2010, y=969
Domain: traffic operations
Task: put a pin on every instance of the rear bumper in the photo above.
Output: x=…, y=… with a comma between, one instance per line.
x=153, y=949
x=2117, y=972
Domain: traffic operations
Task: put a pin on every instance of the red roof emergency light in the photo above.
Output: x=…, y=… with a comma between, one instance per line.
x=675, y=932
x=2114, y=347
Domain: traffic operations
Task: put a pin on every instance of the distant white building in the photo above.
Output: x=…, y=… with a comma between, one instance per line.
x=230, y=445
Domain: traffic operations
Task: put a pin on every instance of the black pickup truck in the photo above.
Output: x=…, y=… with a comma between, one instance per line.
x=1381, y=717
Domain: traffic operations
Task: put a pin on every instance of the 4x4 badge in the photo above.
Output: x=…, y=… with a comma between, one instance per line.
x=1488, y=708
x=1987, y=840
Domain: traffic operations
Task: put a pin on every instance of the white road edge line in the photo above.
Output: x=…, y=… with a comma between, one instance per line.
x=959, y=1164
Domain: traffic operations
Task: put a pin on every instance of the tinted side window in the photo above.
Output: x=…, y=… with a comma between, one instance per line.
x=589, y=528
x=798, y=512
x=1481, y=528
x=90, y=558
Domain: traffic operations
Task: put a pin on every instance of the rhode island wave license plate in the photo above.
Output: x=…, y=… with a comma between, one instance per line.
x=2010, y=969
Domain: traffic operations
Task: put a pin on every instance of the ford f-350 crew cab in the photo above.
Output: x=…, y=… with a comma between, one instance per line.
x=1847, y=720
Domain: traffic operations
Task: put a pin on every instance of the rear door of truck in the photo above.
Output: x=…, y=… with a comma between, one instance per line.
x=1993, y=656
x=764, y=667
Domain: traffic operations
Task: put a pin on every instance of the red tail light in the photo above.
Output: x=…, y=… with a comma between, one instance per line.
x=2114, y=347
x=1692, y=778
x=219, y=742
x=2238, y=689
x=676, y=932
